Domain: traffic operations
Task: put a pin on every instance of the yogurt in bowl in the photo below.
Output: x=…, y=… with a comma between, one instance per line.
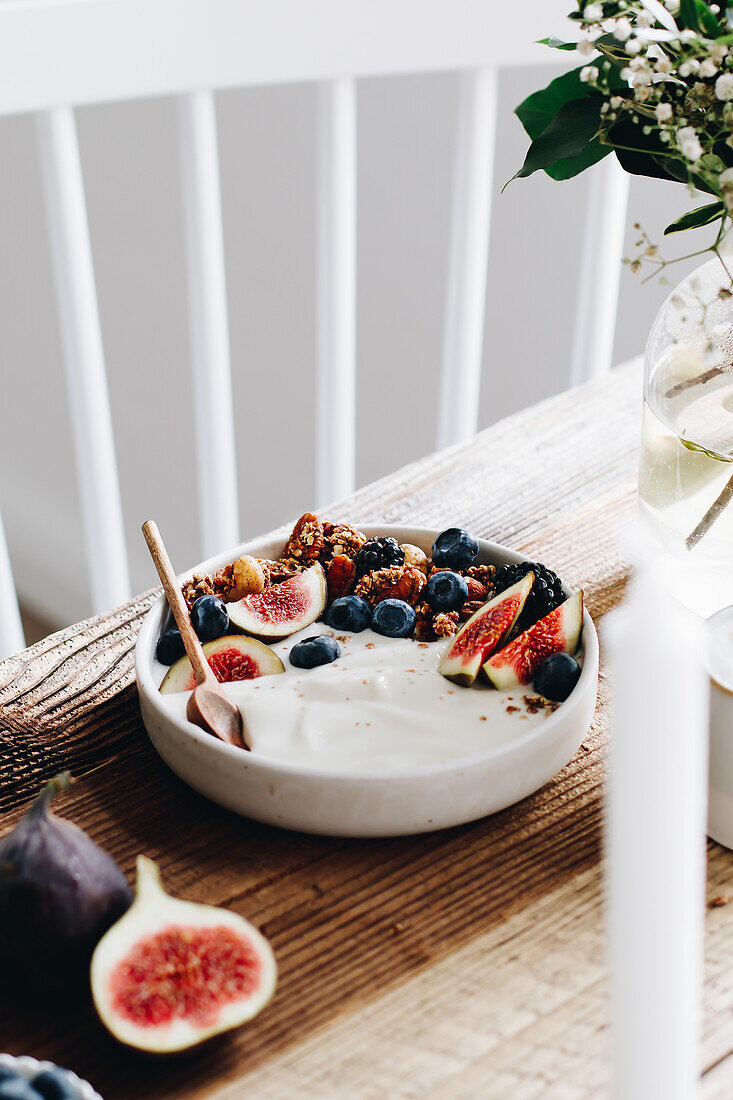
x=377, y=743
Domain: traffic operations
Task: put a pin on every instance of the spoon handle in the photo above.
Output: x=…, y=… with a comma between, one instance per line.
x=168, y=579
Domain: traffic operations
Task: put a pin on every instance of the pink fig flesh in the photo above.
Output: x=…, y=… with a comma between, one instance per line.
x=483, y=632
x=558, y=632
x=231, y=658
x=284, y=608
x=184, y=972
x=172, y=973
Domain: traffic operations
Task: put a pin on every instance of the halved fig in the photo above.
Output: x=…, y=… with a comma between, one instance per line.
x=483, y=633
x=283, y=608
x=558, y=632
x=231, y=658
x=171, y=973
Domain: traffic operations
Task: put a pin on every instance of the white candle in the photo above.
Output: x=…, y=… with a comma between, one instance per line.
x=656, y=843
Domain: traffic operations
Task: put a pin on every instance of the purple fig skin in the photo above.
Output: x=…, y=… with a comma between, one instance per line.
x=59, y=893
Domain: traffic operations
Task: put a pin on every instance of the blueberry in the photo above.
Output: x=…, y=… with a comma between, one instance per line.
x=15, y=1088
x=350, y=613
x=454, y=549
x=319, y=650
x=210, y=618
x=394, y=619
x=446, y=591
x=55, y=1084
x=556, y=677
x=170, y=647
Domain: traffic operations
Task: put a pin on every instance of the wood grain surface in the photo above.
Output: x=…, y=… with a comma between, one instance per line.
x=464, y=963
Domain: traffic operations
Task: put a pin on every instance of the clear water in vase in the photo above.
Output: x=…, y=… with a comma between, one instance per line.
x=686, y=466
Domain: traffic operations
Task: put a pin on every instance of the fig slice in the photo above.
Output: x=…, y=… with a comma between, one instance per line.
x=558, y=632
x=231, y=658
x=483, y=633
x=171, y=973
x=283, y=608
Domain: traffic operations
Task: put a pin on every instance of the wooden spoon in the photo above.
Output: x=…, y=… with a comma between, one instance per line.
x=208, y=706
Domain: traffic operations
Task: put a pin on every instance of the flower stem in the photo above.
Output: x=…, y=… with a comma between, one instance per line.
x=714, y=511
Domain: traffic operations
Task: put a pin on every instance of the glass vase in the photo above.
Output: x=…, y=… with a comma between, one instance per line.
x=686, y=466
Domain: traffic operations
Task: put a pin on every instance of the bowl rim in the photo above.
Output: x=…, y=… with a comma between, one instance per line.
x=145, y=651
x=28, y=1066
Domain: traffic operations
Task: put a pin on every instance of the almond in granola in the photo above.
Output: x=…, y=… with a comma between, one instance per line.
x=396, y=582
x=483, y=573
x=476, y=589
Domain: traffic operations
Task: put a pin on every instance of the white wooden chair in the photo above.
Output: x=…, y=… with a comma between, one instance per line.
x=58, y=54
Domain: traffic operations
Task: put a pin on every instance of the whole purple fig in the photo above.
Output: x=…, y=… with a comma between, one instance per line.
x=59, y=893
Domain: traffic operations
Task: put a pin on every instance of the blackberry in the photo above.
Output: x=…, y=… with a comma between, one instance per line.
x=379, y=553
x=547, y=591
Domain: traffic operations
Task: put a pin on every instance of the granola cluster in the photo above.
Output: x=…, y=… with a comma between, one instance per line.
x=336, y=546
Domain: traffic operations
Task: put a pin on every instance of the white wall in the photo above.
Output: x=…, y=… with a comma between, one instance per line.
x=406, y=129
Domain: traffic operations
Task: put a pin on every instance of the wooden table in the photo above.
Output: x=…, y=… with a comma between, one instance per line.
x=466, y=963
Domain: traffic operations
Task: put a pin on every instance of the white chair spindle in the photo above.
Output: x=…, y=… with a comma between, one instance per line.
x=600, y=271
x=81, y=337
x=336, y=291
x=467, y=264
x=11, y=629
x=212, y=383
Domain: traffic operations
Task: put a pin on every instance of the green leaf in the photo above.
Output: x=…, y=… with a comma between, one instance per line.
x=690, y=446
x=695, y=15
x=708, y=20
x=557, y=43
x=538, y=110
x=694, y=219
x=566, y=147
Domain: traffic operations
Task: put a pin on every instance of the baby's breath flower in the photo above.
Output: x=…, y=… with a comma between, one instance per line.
x=633, y=46
x=622, y=29
x=593, y=13
x=585, y=47
x=589, y=74
x=672, y=6
x=664, y=112
x=708, y=67
x=724, y=87
x=689, y=67
x=725, y=179
x=616, y=102
x=689, y=143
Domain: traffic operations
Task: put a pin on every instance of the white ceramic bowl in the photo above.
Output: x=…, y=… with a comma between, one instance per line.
x=27, y=1068
x=425, y=798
